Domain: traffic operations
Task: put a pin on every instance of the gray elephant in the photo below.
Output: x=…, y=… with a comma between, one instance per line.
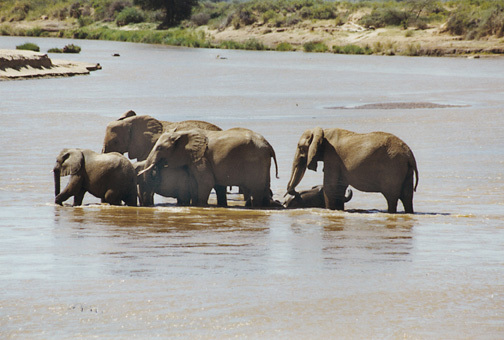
x=163, y=181
x=312, y=198
x=136, y=135
x=235, y=157
x=370, y=162
x=110, y=177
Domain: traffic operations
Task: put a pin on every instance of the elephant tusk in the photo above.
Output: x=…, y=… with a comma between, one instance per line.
x=146, y=169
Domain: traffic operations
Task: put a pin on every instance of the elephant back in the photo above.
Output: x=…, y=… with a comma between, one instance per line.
x=191, y=124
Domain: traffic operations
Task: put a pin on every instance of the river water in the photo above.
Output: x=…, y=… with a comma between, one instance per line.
x=118, y=272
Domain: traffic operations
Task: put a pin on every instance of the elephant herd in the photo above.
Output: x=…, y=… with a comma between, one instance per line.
x=186, y=160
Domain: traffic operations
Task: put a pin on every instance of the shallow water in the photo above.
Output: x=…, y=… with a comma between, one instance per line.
x=117, y=272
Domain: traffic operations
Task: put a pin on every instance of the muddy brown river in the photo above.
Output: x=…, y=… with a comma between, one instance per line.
x=212, y=273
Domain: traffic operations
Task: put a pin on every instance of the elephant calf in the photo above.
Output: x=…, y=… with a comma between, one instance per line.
x=163, y=181
x=110, y=177
x=313, y=198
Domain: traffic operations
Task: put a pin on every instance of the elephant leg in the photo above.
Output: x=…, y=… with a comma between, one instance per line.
x=407, y=194
x=184, y=202
x=79, y=197
x=258, y=199
x=131, y=200
x=111, y=198
x=146, y=198
x=201, y=199
x=392, y=203
x=73, y=187
x=334, y=194
x=220, y=191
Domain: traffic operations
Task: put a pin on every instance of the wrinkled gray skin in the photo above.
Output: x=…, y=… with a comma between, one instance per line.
x=313, y=198
x=234, y=157
x=110, y=177
x=163, y=181
x=136, y=135
x=370, y=162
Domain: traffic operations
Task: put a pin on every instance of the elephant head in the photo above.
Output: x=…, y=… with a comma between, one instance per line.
x=176, y=149
x=132, y=134
x=69, y=162
x=307, y=155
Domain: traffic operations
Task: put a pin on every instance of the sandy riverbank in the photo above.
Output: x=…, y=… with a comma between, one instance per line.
x=19, y=64
x=390, y=40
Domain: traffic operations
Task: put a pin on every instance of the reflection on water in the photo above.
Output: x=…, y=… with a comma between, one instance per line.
x=123, y=272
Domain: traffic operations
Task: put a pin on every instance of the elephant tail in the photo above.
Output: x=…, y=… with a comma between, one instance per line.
x=413, y=165
x=272, y=153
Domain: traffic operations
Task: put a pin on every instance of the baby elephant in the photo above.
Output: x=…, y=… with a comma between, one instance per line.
x=110, y=177
x=313, y=198
x=163, y=181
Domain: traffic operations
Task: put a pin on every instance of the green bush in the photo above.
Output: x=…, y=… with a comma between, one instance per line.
x=129, y=15
x=382, y=17
x=55, y=50
x=71, y=48
x=285, y=46
x=29, y=47
x=315, y=47
x=352, y=49
x=254, y=45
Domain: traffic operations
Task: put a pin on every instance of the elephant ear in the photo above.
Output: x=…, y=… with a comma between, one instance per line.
x=127, y=114
x=144, y=132
x=71, y=161
x=313, y=150
x=196, y=145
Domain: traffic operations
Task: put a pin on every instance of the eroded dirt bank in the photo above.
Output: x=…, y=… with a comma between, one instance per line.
x=19, y=64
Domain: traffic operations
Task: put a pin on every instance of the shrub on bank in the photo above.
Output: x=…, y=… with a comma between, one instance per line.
x=28, y=47
x=71, y=48
x=352, y=49
x=284, y=47
x=129, y=15
x=314, y=46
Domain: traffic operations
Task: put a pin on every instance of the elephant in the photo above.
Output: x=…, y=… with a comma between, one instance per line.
x=369, y=162
x=110, y=177
x=313, y=198
x=136, y=135
x=163, y=181
x=234, y=157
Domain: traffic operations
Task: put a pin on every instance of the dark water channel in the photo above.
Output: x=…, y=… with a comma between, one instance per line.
x=116, y=272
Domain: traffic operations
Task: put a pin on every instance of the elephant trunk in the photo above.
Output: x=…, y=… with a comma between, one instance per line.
x=151, y=161
x=57, y=183
x=298, y=170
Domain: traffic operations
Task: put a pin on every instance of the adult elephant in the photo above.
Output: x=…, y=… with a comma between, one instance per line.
x=167, y=182
x=110, y=177
x=234, y=157
x=136, y=135
x=370, y=162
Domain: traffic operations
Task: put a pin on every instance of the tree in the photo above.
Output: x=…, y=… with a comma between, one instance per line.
x=175, y=10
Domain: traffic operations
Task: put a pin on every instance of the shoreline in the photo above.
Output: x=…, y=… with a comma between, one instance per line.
x=21, y=64
x=391, y=40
